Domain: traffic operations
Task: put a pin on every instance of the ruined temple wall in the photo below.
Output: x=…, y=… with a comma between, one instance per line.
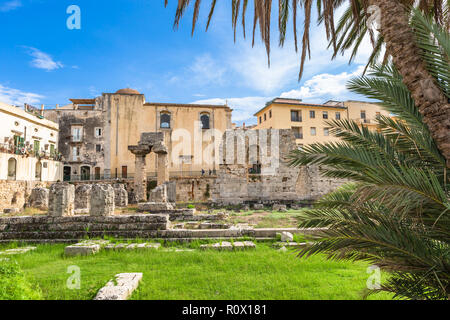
x=236, y=184
x=14, y=194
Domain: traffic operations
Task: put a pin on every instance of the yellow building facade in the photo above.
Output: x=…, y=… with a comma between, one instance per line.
x=308, y=120
x=96, y=134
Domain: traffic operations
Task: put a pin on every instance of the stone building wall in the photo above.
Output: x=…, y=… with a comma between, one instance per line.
x=89, y=156
x=264, y=175
x=14, y=194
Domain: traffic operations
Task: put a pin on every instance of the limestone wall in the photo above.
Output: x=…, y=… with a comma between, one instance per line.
x=14, y=194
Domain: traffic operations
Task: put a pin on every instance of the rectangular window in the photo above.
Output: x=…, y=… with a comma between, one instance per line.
x=313, y=131
x=52, y=149
x=98, y=148
x=270, y=113
x=37, y=147
x=260, y=120
x=124, y=172
x=363, y=114
x=265, y=117
x=298, y=132
x=296, y=116
x=77, y=133
x=338, y=116
x=98, y=132
x=75, y=153
x=312, y=114
x=325, y=115
x=326, y=131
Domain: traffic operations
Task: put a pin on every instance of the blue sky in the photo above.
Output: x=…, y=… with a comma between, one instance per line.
x=131, y=43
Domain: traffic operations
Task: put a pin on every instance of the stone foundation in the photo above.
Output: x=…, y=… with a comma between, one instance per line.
x=61, y=200
x=83, y=197
x=102, y=200
x=39, y=198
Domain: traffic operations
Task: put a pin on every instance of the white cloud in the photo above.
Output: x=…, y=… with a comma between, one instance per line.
x=250, y=64
x=42, y=60
x=324, y=84
x=243, y=108
x=18, y=97
x=318, y=89
x=10, y=5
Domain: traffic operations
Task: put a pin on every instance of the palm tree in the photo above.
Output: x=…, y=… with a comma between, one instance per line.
x=395, y=212
x=395, y=32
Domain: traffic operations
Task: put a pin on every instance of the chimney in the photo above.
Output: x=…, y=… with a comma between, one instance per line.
x=42, y=110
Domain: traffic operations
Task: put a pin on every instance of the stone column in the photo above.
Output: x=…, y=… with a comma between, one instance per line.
x=61, y=199
x=163, y=163
x=140, y=172
x=102, y=200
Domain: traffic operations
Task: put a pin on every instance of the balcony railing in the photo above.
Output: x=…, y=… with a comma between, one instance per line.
x=29, y=151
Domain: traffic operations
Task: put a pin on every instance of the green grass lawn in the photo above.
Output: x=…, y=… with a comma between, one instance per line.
x=263, y=273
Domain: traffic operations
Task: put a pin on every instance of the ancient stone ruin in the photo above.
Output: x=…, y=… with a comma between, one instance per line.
x=102, y=200
x=39, y=198
x=61, y=200
x=152, y=142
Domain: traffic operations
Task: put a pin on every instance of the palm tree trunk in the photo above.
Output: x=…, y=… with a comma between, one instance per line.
x=429, y=98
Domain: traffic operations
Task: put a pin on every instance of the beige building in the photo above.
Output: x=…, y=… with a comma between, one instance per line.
x=307, y=120
x=28, y=145
x=98, y=132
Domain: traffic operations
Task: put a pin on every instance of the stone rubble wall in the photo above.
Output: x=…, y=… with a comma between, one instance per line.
x=79, y=227
x=15, y=194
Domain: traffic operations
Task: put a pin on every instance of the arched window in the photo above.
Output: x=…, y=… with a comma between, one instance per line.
x=165, y=120
x=204, y=119
x=38, y=171
x=12, y=164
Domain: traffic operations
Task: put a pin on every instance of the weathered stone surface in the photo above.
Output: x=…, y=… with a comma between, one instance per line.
x=289, y=244
x=120, y=288
x=287, y=236
x=132, y=246
x=81, y=250
x=83, y=197
x=120, y=195
x=102, y=200
x=171, y=187
x=11, y=210
x=61, y=199
x=228, y=246
x=158, y=194
x=258, y=206
x=16, y=251
x=85, y=248
x=155, y=206
x=39, y=198
x=279, y=207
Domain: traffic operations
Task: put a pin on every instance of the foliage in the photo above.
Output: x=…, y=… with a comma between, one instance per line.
x=14, y=285
x=347, y=34
x=395, y=211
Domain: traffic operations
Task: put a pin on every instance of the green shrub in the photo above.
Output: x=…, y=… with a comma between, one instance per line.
x=14, y=285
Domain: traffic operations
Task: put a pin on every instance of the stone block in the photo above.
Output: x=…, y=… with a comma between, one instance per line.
x=154, y=206
x=102, y=200
x=158, y=194
x=120, y=195
x=287, y=236
x=61, y=201
x=16, y=251
x=82, y=250
x=39, y=198
x=83, y=196
x=258, y=206
x=121, y=288
x=279, y=207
